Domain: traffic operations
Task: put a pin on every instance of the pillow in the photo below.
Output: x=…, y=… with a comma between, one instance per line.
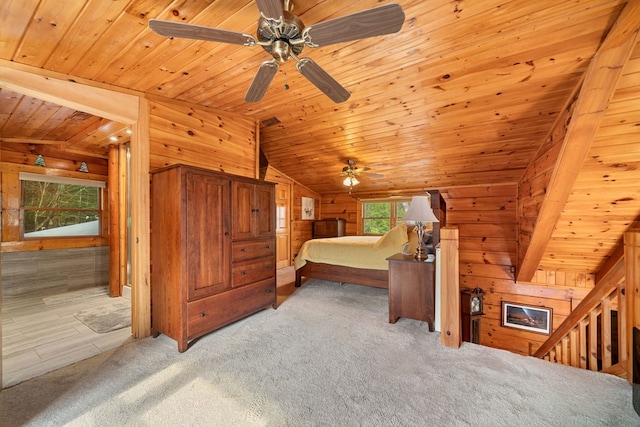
x=396, y=237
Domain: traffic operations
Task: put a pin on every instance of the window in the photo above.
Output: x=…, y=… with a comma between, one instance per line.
x=60, y=207
x=380, y=216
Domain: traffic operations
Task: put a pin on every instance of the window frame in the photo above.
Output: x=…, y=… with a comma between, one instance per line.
x=393, y=219
x=55, y=179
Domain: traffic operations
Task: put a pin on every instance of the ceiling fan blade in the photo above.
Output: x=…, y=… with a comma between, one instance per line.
x=199, y=32
x=261, y=81
x=271, y=9
x=377, y=21
x=322, y=80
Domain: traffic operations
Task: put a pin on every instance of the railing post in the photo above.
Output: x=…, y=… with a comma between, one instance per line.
x=451, y=335
x=632, y=294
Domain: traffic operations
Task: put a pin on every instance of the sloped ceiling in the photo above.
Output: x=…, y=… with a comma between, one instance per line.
x=465, y=93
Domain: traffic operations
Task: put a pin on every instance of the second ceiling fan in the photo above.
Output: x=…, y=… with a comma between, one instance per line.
x=283, y=35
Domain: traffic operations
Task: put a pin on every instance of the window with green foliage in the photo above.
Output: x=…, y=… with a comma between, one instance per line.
x=60, y=207
x=381, y=216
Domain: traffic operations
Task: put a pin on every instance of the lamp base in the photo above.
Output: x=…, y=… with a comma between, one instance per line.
x=420, y=255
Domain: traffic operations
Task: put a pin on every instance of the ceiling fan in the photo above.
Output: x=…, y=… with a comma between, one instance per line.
x=283, y=35
x=351, y=171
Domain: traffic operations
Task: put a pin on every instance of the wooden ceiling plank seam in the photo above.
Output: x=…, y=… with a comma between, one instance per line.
x=138, y=50
x=48, y=26
x=16, y=16
x=92, y=22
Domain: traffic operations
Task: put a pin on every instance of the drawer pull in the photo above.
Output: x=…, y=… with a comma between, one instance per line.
x=243, y=273
x=203, y=314
x=226, y=233
x=269, y=291
x=243, y=250
x=268, y=246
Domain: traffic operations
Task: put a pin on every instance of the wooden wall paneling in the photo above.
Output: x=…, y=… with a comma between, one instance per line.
x=201, y=136
x=10, y=207
x=342, y=206
x=302, y=230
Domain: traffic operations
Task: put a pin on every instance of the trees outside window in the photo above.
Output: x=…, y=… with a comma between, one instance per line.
x=60, y=207
x=381, y=216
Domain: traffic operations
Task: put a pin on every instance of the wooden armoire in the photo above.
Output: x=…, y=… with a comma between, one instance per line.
x=212, y=250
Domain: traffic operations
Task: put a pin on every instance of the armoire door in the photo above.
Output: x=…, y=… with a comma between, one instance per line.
x=207, y=235
x=253, y=210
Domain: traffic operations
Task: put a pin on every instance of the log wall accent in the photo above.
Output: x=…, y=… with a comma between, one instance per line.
x=201, y=136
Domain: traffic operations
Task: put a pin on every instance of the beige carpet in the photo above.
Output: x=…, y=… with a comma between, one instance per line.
x=326, y=357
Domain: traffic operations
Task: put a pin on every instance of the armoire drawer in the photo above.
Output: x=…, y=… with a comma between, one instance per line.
x=213, y=312
x=242, y=251
x=252, y=271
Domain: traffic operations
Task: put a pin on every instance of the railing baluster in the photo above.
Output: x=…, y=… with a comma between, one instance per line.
x=622, y=325
x=605, y=343
x=593, y=340
x=574, y=345
x=583, y=343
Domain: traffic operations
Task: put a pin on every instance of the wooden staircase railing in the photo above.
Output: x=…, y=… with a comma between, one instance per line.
x=587, y=339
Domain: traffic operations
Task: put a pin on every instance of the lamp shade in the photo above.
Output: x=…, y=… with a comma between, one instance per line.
x=420, y=211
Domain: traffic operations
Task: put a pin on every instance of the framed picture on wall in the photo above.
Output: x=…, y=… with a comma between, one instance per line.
x=308, y=208
x=532, y=319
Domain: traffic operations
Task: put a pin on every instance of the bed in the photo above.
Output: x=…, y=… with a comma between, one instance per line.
x=352, y=259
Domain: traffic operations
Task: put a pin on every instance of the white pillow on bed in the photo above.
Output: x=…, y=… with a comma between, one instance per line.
x=396, y=237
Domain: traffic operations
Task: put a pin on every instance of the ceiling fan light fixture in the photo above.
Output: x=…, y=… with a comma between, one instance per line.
x=350, y=181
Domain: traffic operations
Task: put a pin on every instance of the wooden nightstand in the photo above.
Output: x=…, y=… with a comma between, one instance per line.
x=411, y=289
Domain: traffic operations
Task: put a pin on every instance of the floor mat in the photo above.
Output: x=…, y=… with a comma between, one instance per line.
x=106, y=318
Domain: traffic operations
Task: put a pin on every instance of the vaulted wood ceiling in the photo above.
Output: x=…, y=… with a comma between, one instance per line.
x=465, y=94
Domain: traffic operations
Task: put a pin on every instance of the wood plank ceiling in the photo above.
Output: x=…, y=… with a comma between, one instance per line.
x=463, y=95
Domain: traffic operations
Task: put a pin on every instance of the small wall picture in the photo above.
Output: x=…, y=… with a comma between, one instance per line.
x=308, y=208
x=533, y=319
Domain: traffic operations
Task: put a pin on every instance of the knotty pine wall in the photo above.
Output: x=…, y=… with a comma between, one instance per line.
x=302, y=230
x=201, y=136
x=487, y=223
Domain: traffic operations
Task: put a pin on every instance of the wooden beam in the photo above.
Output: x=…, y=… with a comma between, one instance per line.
x=598, y=87
x=99, y=101
x=140, y=225
x=30, y=141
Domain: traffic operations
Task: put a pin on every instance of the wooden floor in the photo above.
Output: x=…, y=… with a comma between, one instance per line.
x=38, y=337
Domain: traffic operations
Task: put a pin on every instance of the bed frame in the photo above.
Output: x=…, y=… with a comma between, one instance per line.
x=367, y=277
x=339, y=273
